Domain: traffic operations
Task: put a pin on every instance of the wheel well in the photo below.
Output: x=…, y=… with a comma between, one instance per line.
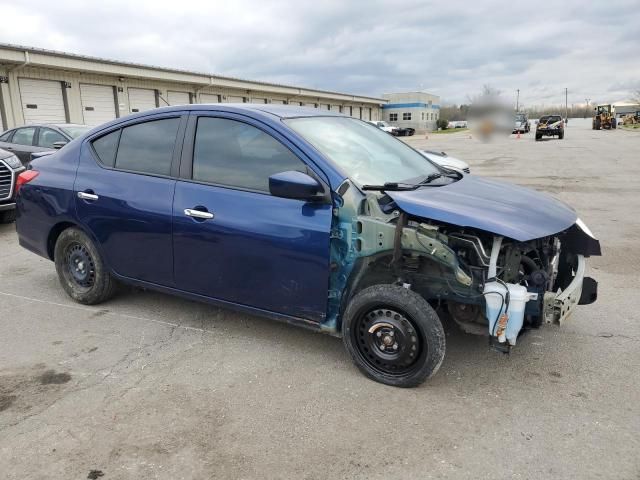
x=53, y=236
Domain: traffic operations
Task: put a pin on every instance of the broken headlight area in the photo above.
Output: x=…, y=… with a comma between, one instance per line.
x=489, y=284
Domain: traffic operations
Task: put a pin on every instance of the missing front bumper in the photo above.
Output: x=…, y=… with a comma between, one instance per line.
x=581, y=291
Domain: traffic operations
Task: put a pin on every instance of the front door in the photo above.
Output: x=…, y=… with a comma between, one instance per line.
x=235, y=242
x=124, y=194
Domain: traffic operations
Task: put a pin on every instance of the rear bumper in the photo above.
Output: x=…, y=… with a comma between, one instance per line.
x=548, y=131
x=581, y=291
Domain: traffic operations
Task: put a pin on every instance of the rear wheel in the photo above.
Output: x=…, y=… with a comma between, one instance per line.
x=7, y=216
x=614, y=123
x=538, y=137
x=81, y=269
x=393, y=335
x=561, y=135
x=597, y=123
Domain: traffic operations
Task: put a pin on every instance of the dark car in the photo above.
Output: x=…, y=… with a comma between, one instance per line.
x=23, y=141
x=405, y=132
x=550, y=126
x=308, y=217
x=10, y=168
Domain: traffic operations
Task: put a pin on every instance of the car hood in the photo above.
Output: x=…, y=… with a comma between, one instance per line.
x=4, y=154
x=497, y=207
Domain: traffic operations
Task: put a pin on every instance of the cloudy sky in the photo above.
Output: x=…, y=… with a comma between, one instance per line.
x=451, y=48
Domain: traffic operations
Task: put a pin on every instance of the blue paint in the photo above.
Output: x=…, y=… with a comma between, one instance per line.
x=497, y=207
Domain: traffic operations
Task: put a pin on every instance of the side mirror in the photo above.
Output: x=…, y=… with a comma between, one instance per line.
x=294, y=184
x=59, y=145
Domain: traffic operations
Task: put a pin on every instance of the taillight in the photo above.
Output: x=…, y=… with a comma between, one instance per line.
x=25, y=177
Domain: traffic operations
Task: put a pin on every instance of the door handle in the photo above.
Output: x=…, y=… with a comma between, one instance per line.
x=191, y=212
x=87, y=196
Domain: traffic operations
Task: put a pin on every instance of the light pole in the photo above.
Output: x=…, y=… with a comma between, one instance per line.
x=588, y=100
x=566, y=106
x=518, y=100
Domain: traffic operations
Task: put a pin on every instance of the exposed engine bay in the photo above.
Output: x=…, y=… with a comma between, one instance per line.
x=489, y=284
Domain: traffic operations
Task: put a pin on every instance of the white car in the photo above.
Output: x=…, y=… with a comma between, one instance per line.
x=446, y=161
x=384, y=126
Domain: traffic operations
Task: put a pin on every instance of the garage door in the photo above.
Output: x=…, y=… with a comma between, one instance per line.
x=335, y=108
x=297, y=104
x=141, y=99
x=209, y=98
x=98, y=104
x=258, y=100
x=275, y=101
x=324, y=106
x=234, y=99
x=178, y=98
x=41, y=101
x=310, y=105
x=355, y=112
x=366, y=113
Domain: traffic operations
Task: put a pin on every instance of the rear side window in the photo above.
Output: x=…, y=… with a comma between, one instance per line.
x=148, y=147
x=228, y=152
x=24, y=136
x=105, y=147
x=47, y=137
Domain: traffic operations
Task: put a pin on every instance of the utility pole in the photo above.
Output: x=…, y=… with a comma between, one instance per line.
x=588, y=100
x=518, y=101
x=566, y=105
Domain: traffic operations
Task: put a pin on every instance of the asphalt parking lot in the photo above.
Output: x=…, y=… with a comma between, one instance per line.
x=151, y=386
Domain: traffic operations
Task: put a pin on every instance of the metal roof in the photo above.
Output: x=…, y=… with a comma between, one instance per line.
x=210, y=78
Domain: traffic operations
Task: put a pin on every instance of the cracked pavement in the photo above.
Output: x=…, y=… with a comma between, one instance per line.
x=152, y=386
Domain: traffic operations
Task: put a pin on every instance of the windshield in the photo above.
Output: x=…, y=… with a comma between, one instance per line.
x=550, y=119
x=75, y=131
x=365, y=153
x=520, y=117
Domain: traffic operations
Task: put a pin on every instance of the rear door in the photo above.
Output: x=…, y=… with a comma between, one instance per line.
x=22, y=143
x=254, y=249
x=124, y=190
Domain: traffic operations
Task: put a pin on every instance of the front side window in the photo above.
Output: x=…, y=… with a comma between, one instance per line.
x=406, y=116
x=235, y=154
x=363, y=152
x=47, y=137
x=393, y=117
x=148, y=147
x=24, y=136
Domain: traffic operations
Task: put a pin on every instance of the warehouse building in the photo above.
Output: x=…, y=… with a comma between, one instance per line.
x=42, y=86
x=417, y=110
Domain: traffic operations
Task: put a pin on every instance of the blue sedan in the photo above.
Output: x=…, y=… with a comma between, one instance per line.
x=309, y=217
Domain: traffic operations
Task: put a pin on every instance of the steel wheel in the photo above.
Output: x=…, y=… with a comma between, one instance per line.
x=79, y=267
x=388, y=341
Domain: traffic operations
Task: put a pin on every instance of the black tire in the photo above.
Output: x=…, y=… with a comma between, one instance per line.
x=614, y=123
x=561, y=135
x=80, y=268
x=408, y=320
x=538, y=137
x=597, y=124
x=8, y=216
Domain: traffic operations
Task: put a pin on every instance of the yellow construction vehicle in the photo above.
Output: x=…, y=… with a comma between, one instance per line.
x=604, y=118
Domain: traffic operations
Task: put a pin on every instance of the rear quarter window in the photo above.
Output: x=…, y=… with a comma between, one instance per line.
x=106, y=147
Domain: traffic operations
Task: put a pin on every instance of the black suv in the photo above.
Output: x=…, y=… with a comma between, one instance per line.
x=10, y=167
x=550, y=126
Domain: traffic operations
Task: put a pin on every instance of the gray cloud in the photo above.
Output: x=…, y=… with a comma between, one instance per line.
x=364, y=47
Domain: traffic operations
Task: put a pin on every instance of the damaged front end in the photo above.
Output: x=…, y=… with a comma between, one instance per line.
x=490, y=284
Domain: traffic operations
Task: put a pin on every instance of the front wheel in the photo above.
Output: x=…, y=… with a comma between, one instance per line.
x=80, y=268
x=393, y=335
x=561, y=135
x=8, y=216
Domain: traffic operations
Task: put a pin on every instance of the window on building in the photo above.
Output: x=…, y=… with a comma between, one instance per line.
x=393, y=117
x=422, y=116
x=406, y=116
x=24, y=136
x=232, y=153
x=47, y=137
x=148, y=147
